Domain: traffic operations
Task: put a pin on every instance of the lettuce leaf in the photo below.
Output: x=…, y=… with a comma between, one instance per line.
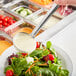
x=36, y=52
x=45, y=72
x=56, y=68
x=48, y=44
x=8, y=68
x=18, y=65
x=39, y=53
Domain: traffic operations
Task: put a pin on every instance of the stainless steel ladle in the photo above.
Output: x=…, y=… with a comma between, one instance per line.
x=36, y=30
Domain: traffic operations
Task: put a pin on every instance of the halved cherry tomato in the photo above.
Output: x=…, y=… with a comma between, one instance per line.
x=9, y=73
x=10, y=21
x=37, y=44
x=10, y=18
x=1, y=26
x=6, y=19
x=51, y=57
x=1, y=21
x=8, y=24
x=24, y=54
x=5, y=24
x=14, y=21
x=1, y=17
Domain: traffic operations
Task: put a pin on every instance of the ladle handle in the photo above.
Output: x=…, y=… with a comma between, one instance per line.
x=49, y=13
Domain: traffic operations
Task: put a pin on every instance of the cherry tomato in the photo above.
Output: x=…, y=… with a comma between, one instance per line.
x=51, y=57
x=1, y=26
x=37, y=44
x=1, y=21
x=14, y=21
x=5, y=24
x=24, y=54
x=9, y=73
x=6, y=19
x=10, y=18
x=10, y=22
x=1, y=17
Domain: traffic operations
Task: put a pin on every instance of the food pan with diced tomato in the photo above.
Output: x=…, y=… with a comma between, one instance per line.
x=7, y=19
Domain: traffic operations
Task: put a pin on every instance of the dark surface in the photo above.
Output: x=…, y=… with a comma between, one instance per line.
x=7, y=1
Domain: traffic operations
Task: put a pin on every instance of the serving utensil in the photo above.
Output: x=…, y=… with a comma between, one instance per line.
x=49, y=13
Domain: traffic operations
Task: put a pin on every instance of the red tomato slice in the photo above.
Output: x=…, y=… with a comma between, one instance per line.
x=51, y=57
x=5, y=24
x=1, y=26
x=24, y=54
x=9, y=73
x=14, y=21
x=6, y=19
x=0, y=21
x=10, y=22
x=1, y=17
x=37, y=44
x=10, y=18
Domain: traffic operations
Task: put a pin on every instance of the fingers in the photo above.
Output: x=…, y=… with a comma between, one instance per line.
x=61, y=2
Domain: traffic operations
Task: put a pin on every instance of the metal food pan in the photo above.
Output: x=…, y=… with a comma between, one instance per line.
x=22, y=3
x=60, y=9
x=6, y=36
x=37, y=17
x=5, y=41
x=5, y=12
x=50, y=32
x=22, y=27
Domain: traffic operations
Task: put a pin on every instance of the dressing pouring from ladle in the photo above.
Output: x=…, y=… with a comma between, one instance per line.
x=26, y=43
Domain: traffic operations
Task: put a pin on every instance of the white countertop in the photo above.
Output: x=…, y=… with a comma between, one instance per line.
x=66, y=39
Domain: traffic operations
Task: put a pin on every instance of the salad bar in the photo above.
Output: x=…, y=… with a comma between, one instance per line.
x=23, y=16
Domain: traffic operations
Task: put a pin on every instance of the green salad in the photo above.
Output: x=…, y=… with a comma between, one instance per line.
x=43, y=61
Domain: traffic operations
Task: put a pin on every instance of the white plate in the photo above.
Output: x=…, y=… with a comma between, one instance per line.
x=66, y=61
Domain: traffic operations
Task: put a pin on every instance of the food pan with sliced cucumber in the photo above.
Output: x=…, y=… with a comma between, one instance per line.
x=22, y=11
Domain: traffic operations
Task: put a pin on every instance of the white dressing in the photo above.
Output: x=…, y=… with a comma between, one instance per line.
x=24, y=42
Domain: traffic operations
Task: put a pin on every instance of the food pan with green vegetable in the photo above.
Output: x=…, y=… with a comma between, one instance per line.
x=22, y=8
